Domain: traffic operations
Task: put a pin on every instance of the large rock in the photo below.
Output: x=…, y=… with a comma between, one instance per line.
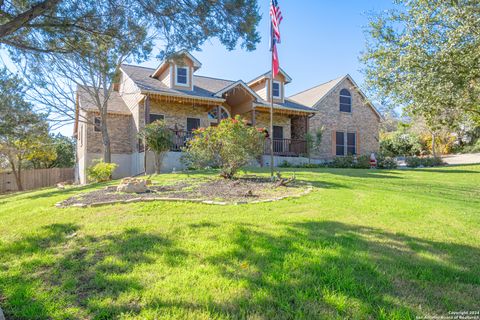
x=132, y=185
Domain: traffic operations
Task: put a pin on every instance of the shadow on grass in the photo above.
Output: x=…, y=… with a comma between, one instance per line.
x=79, y=270
x=309, y=270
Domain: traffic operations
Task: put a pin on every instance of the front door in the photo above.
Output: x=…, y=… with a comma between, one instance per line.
x=278, y=141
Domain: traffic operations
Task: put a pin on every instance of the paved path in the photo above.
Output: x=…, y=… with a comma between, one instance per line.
x=462, y=158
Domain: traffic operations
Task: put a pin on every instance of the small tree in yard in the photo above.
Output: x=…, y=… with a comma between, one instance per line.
x=158, y=138
x=313, y=142
x=229, y=146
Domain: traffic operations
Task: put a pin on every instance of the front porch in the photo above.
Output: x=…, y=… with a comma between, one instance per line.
x=184, y=116
x=281, y=147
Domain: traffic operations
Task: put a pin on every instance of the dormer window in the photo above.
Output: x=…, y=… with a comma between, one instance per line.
x=181, y=76
x=276, y=90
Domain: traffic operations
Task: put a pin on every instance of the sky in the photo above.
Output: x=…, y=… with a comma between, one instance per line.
x=321, y=40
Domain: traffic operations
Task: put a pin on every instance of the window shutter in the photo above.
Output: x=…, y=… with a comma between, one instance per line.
x=357, y=143
x=334, y=144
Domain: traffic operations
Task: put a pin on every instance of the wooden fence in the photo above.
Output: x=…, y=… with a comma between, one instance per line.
x=35, y=178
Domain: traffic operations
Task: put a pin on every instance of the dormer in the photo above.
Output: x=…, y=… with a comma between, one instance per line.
x=177, y=70
x=263, y=86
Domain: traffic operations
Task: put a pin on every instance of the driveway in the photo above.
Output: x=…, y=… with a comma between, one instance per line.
x=462, y=158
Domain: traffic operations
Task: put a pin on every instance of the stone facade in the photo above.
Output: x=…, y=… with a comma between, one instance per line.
x=263, y=120
x=363, y=121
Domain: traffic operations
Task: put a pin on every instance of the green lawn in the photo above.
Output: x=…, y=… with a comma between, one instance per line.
x=363, y=245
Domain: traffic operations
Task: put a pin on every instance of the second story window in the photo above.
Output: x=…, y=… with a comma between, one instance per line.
x=181, y=76
x=345, y=101
x=276, y=89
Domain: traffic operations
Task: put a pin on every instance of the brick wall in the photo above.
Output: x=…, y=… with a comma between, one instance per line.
x=362, y=120
x=119, y=130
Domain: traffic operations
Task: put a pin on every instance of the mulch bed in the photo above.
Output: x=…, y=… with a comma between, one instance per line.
x=213, y=191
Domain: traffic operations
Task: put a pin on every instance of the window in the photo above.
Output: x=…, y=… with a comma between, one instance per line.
x=345, y=101
x=181, y=76
x=154, y=117
x=213, y=114
x=276, y=89
x=98, y=124
x=346, y=143
x=340, y=143
x=193, y=124
x=277, y=132
x=278, y=142
x=351, y=143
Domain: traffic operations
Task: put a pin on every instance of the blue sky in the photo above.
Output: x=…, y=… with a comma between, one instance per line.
x=321, y=40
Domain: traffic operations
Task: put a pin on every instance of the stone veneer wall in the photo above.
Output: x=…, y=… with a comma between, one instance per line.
x=362, y=120
x=177, y=113
x=119, y=130
x=263, y=120
x=299, y=127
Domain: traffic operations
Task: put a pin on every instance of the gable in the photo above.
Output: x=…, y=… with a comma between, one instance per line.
x=358, y=98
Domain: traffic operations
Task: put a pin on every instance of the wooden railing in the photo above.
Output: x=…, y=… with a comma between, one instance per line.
x=286, y=147
x=180, y=138
x=281, y=147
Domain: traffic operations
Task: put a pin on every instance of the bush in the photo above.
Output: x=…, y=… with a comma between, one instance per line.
x=158, y=138
x=414, y=162
x=400, y=144
x=230, y=146
x=101, y=171
x=386, y=162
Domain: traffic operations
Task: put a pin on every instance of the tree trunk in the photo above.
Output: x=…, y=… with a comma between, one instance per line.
x=158, y=161
x=107, y=156
x=17, y=172
x=433, y=145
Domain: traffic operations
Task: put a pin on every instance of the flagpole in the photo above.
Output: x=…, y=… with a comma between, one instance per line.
x=271, y=119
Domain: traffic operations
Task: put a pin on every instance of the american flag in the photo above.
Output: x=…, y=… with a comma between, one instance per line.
x=276, y=16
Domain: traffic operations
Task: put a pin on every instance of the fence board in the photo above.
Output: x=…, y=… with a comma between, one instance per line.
x=35, y=178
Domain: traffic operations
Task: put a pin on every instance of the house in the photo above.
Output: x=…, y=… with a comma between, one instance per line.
x=174, y=93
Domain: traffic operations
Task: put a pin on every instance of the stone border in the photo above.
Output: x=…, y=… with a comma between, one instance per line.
x=219, y=203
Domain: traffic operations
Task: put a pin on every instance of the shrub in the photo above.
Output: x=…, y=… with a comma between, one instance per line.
x=386, y=162
x=400, y=144
x=362, y=162
x=414, y=162
x=230, y=146
x=342, y=162
x=158, y=138
x=101, y=171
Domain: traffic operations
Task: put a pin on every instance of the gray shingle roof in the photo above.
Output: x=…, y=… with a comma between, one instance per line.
x=115, y=102
x=311, y=96
x=205, y=87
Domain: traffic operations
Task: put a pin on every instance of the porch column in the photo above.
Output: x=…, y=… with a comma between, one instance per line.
x=307, y=124
x=254, y=120
x=218, y=115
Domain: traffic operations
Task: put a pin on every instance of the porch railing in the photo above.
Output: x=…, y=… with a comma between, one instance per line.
x=281, y=147
x=286, y=147
x=179, y=139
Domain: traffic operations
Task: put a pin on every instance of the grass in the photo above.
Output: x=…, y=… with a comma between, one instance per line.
x=363, y=245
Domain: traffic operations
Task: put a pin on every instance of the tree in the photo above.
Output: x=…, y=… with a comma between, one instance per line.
x=58, y=152
x=94, y=64
x=425, y=56
x=23, y=133
x=229, y=146
x=158, y=138
x=313, y=142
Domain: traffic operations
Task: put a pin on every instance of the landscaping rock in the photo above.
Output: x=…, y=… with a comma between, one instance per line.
x=132, y=185
x=2, y=317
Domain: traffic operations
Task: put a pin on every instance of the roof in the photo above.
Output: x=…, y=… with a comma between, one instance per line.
x=311, y=96
x=115, y=102
x=268, y=75
x=287, y=104
x=196, y=63
x=203, y=87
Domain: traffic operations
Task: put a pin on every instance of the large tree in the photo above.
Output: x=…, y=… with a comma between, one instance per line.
x=425, y=56
x=93, y=65
x=24, y=134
